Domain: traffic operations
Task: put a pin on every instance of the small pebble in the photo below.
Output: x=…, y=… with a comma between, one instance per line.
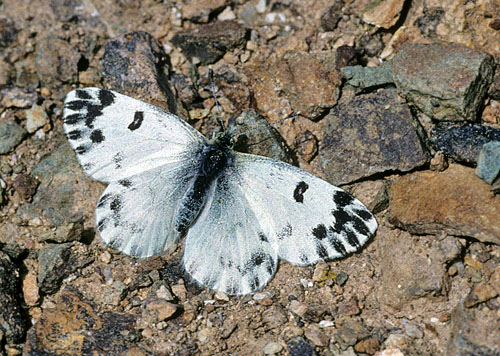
x=272, y=348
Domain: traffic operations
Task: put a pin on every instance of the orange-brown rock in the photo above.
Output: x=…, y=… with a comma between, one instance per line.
x=455, y=201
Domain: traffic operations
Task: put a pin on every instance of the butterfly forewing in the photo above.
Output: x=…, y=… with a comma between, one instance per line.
x=115, y=136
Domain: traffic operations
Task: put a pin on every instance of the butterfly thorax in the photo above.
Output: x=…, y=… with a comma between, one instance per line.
x=215, y=157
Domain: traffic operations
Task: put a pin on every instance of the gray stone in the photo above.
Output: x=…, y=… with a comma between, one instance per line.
x=36, y=117
x=11, y=134
x=367, y=77
x=488, y=163
x=17, y=97
x=370, y=134
x=462, y=142
x=135, y=64
x=210, y=42
x=57, y=64
x=447, y=82
x=272, y=348
x=56, y=262
x=64, y=189
x=265, y=140
x=474, y=332
x=12, y=324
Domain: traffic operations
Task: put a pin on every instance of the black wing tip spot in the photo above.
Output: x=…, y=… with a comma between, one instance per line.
x=82, y=94
x=74, y=135
x=137, y=122
x=73, y=119
x=342, y=198
x=321, y=251
x=82, y=149
x=106, y=97
x=319, y=232
x=338, y=245
x=300, y=189
x=101, y=224
x=364, y=214
x=96, y=136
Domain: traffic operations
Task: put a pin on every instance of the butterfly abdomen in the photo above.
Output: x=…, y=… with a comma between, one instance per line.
x=215, y=157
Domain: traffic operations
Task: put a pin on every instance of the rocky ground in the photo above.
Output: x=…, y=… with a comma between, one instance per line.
x=399, y=103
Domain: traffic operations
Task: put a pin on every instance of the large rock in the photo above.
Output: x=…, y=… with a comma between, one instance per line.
x=135, y=64
x=12, y=323
x=447, y=82
x=57, y=64
x=402, y=280
x=370, y=134
x=455, y=201
x=65, y=193
x=75, y=327
x=311, y=81
x=462, y=142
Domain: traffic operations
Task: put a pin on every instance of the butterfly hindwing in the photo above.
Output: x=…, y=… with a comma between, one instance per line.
x=225, y=249
x=116, y=136
x=136, y=215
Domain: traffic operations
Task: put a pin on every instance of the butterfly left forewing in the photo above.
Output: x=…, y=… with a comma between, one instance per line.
x=116, y=136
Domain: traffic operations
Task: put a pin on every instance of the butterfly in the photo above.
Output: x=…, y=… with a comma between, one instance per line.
x=239, y=213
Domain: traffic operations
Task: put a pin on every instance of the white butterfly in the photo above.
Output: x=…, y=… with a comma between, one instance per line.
x=240, y=213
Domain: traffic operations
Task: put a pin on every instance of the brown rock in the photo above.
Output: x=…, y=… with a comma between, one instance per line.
x=135, y=64
x=157, y=309
x=402, y=280
x=210, y=42
x=274, y=317
x=383, y=13
x=25, y=185
x=474, y=331
x=298, y=308
x=316, y=335
x=311, y=81
x=30, y=288
x=74, y=327
x=480, y=293
x=368, y=346
x=454, y=201
x=495, y=279
x=57, y=64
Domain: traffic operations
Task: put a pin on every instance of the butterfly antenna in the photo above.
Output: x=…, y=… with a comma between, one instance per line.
x=292, y=115
x=212, y=89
